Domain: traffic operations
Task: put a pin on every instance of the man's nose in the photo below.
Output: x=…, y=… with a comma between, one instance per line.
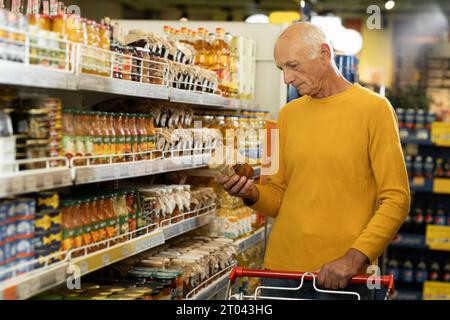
x=288, y=77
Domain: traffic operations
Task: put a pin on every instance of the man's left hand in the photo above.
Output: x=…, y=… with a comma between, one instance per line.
x=336, y=274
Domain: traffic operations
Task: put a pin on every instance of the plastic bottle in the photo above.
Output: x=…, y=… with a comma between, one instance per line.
x=440, y=217
x=142, y=136
x=439, y=171
x=134, y=133
x=112, y=133
x=107, y=148
x=401, y=117
x=418, y=220
x=97, y=139
x=435, y=272
x=446, y=272
x=418, y=167
x=429, y=168
x=429, y=216
x=151, y=134
x=86, y=223
x=127, y=132
x=409, y=166
x=408, y=273
x=88, y=133
x=68, y=131
x=421, y=274
x=120, y=136
x=393, y=268
x=409, y=118
x=79, y=133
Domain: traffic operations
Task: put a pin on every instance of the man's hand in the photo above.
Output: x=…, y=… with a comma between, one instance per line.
x=239, y=187
x=336, y=274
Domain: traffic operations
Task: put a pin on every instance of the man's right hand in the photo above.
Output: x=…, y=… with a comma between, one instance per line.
x=239, y=187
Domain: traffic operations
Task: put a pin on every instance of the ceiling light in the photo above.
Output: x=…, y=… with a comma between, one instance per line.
x=389, y=4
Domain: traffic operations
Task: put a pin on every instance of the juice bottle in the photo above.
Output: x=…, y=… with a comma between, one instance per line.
x=101, y=221
x=142, y=136
x=132, y=214
x=151, y=135
x=86, y=223
x=77, y=225
x=105, y=44
x=220, y=49
x=132, y=118
x=127, y=134
x=106, y=138
x=59, y=24
x=120, y=208
x=79, y=134
x=67, y=225
x=68, y=131
x=200, y=47
x=112, y=227
x=97, y=137
x=112, y=133
x=120, y=137
x=88, y=133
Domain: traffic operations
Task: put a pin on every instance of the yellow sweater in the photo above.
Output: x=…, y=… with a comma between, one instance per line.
x=341, y=183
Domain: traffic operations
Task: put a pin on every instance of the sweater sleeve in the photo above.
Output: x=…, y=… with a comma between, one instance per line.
x=271, y=193
x=388, y=166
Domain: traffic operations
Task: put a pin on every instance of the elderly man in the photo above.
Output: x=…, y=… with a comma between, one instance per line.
x=341, y=191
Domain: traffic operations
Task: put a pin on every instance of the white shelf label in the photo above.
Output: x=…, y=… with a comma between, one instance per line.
x=105, y=259
x=84, y=267
x=35, y=285
x=48, y=181
x=17, y=184
x=116, y=172
x=130, y=170
x=23, y=290
x=31, y=183
x=125, y=251
x=60, y=275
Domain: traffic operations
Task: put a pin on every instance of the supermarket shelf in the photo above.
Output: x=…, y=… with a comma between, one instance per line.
x=194, y=97
x=122, y=87
x=404, y=294
x=113, y=171
x=20, y=74
x=205, y=217
x=219, y=283
x=243, y=244
x=34, y=180
x=39, y=280
x=407, y=240
x=100, y=259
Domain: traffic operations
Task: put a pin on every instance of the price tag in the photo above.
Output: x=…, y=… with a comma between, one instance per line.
x=60, y=275
x=23, y=291
x=130, y=170
x=419, y=181
x=35, y=285
x=149, y=166
x=125, y=251
x=105, y=259
x=84, y=267
x=17, y=184
x=48, y=182
x=30, y=183
x=161, y=166
x=116, y=172
x=2, y=187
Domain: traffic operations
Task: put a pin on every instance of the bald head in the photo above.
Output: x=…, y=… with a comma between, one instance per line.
x=304, y=36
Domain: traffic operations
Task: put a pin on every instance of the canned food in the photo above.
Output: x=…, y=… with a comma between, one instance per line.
x=25, y=208
x=10, y=212
x=4, y=274
x=48, y=201
x=4, y=207
x=25, y=229
x=24, y=248
x=10, y=252
x=23, y=265
x=10, y=232
x=42, y=222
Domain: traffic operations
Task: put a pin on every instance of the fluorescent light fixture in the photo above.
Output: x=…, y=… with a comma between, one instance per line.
x=389, y=4
x=257, y=18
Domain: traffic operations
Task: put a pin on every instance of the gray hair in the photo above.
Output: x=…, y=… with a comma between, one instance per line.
x=314, y=36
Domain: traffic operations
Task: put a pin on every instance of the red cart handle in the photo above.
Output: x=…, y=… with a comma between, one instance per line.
x=239, y=272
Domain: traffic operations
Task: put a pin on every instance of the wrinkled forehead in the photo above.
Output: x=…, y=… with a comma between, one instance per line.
x=290, y=48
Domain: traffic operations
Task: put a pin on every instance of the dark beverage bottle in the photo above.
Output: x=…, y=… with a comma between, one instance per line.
x=429, y=216
x=418, y=220
x=409, y=166
x=446, y=273
x=421, y=274
x=435, y=272
x=393, y=268
x=408, y=273
x=447, y=169
x=418, y=167
x=440, y=217
x=439, y=171
x=429, y=168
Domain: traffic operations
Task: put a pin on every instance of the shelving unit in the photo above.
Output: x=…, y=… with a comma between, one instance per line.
x=41, y=279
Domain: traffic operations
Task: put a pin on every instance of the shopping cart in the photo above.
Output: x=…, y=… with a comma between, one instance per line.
x=384, y=292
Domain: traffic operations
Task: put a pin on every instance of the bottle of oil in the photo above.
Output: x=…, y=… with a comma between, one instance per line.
x=200, y=47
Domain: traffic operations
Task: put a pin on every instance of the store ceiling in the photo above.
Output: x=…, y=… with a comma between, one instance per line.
x=264, y=6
